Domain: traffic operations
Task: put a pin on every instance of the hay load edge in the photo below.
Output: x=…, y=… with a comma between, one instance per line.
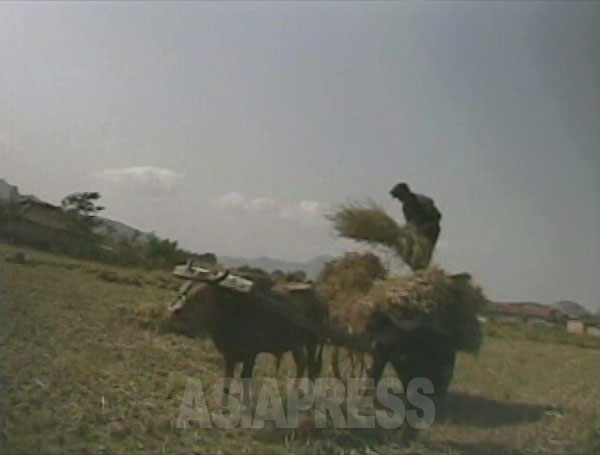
x=448, y=303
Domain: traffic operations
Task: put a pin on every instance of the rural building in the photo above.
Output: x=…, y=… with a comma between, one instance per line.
x=576, y=326
x=593, y=330
x=36, y=223
x=573, y=310
x=588, y=324
x=530, y=312
x=43, y=213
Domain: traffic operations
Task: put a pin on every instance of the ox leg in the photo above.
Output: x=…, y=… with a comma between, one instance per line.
x=406, y=374
x=379, y=362
x=312, y=360
x=246, y=376
x=300, y=361
x=278, y=358
x=229, y=372
x=411, y=368
x=300, y=358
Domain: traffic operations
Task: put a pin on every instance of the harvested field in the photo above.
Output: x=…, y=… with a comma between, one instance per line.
x=80, y=374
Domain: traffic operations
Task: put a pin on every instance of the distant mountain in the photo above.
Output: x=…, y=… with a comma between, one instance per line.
x=572, y=309
x=118, y=229
x=311, y=268
x=10, y=193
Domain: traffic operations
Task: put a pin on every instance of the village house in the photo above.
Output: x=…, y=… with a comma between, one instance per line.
x=528, y=312
x=576, y=326
x=593, y=330
x=589, y=325
x=36, y=211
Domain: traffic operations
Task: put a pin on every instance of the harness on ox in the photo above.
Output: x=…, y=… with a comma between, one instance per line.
x=197, y=277
x=272, y=300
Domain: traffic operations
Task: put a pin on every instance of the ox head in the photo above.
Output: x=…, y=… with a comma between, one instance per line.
x=193, y=287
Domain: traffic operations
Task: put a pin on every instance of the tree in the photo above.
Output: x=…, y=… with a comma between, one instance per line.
x=298, y=275
x=204, y=259
x=83, y=204
x=262, y=280
x=278, y=275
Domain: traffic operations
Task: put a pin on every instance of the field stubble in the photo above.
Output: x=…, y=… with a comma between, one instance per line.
x=81, y=375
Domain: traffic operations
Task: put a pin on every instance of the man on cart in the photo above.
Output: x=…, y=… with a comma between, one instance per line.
x=419, y=211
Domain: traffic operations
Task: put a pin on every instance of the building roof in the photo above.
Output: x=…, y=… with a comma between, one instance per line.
x=526, y=309
x=29, y=201
x=572, y=309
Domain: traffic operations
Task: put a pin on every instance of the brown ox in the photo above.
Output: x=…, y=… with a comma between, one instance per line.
x=242, y=325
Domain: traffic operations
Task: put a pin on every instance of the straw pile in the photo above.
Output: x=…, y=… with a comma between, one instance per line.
x=356, y=284
x=353, y=272
x=449, y=303
x=344, y=283
x=372, y=225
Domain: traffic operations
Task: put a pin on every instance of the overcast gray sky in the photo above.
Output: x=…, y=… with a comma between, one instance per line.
x=233, y=126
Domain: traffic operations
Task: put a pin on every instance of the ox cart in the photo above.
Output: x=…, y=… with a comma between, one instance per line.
x=399, y=333
x=354, y=353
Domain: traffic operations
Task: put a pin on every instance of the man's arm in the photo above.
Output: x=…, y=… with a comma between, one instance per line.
x=411, y=208
x=428, y=210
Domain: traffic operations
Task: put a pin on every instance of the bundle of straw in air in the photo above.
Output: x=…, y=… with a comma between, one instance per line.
x=372, y=225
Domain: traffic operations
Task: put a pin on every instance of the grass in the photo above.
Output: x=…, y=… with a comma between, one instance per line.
x=542, y=333
x=80, y=375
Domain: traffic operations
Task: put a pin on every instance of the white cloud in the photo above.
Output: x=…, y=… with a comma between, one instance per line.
x=143, y=179
x=262, y=204
x=313, y=207
x=303, y=211
x=229, y=200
